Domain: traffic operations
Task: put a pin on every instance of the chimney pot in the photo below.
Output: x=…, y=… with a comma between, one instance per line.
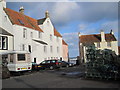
x=47, y=14
x=111, y=32
x=21, y=10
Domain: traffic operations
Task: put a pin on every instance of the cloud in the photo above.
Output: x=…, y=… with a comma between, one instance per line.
x=110, y=25
x=82, y=26
x=63, y=13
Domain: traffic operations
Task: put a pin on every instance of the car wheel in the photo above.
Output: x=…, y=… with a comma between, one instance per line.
x=67, y=66
x=51, y=67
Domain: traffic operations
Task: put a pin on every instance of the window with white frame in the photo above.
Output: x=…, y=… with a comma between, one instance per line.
x=50, y=37
x=24, y=33
x=3, y=42
x=51, y=49
x=109, y=44
x=39, y=34
x=98, y=44
x=23, y=47
x=57, y=49
x=31, y=34
x=45, y=49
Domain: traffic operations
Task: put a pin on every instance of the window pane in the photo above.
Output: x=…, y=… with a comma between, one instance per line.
x=21, y=57
x=0, y=42
x=57, y=39
x=31, y=34
x=23, y=47
x=45, y=49
x=50, y=37
x=4, y=42
x=24, y=33
x=58, y=49
x=11, y=57
x=98, y=45
x=40, y=35
x=108, y=44
x=51, y=49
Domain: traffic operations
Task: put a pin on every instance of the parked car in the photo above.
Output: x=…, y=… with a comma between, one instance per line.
x=71, y=64
x=36, y=66
x=51, y=64
x=63, y=64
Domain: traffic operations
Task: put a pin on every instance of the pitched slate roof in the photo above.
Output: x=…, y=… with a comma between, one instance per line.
x=96, y=38
x=22, y=20
x=63, y=42
x=41, y=21
x=56, y=33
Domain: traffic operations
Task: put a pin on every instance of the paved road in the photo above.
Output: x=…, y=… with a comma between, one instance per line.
x=55, y=79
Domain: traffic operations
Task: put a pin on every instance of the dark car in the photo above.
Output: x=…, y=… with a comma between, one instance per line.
x=63, y=64
x=51, y=64
x=36, y=66
x=71, y=64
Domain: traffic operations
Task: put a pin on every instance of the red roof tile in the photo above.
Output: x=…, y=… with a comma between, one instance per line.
x=96, y=38
x=64, y=43
x=56, y=33
x=22, y=20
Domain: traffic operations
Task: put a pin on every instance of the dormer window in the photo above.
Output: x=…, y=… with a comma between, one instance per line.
x=20, y=21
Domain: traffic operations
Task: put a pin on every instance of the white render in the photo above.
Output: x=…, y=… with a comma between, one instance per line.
x=6, y=26
x=17, y=41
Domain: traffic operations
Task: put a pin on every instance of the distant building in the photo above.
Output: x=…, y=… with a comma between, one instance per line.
x=65, y=51
x=101, y=41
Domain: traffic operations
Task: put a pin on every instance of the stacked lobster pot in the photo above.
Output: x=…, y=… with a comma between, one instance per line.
x=101, y=64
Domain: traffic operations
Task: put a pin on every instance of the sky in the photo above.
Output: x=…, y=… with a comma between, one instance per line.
x=69, y=18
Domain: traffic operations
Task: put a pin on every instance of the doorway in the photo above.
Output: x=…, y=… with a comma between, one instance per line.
x=34, y=60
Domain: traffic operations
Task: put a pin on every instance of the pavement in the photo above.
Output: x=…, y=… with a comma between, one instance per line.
x=63, y=78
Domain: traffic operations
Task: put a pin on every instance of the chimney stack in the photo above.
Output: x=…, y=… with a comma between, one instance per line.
x=21, y=10
x=111, y=32
x=46, y=14
x=102, y=36
x=79, y=34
